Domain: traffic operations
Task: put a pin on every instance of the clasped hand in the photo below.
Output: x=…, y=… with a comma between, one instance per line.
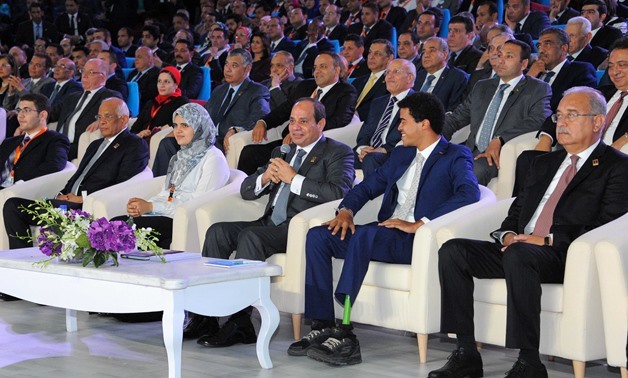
x=137, y=206
x=278, y=171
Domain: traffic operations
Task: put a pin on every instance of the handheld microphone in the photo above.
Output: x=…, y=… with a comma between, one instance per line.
x=284, y=150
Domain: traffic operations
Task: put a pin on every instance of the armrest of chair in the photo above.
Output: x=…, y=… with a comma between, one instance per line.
x=85, y=140
x=347, y=134
x=611, y=257
x=238, y=141
x=154, y=144
x=624, y=149
x=505, y=181
x=476, y=225
x=185, y=229
x=110, y=202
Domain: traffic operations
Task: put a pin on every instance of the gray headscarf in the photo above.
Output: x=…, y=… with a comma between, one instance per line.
x=190, y=155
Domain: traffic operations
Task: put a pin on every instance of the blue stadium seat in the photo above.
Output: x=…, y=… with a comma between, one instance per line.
x=562, y=26
x=130, y=62
x=206, y=89
x=394, y=40
x=500, y=11
x=126, y=72
x=444, y=25
x=336, y=44
x=599, y=73
x=133, y=101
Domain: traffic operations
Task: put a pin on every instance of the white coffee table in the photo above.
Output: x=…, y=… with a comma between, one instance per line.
x=184, y=283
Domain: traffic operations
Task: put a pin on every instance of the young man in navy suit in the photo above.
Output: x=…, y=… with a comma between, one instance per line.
x=425, y=178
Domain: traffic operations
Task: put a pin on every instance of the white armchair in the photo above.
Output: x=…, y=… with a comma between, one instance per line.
x=503, y=184
x=571, y=315
x=154, y=143
x=84, y=141
x=47, y=186
x=611, y=256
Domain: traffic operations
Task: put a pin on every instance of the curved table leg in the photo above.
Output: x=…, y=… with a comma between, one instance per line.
x=270, y=322
x=172, y=326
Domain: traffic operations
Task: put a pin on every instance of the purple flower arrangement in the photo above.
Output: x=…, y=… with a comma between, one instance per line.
x=75, y=234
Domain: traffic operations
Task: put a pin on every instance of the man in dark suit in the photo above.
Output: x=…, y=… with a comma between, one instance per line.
x=462, y=54
x=395, y=15
x=125, y=42
x=29, y=31
x=372, y=86
x=278, y=41
x=114, y=82
x=560, y=12
x=596, y=12
x=298, y=24
x=447, y=83
x=74, y=115
x=307, y=50
x=115, y=158
x=36, y=153
x=145, y=75
x=317, y=170
x=38, y=67
x=72, y=22
x=379, y=134
x=151, y=38
x=425, y=178
x=216, y=56
x=579, y=31
x=531, y=245
x=282, y=82
x=371, y=27
x=353, y=52
x=103, y=34
x=334, y=29
x=554, y=68
x=352, y=13
x=338, y=97
x=520, y=19
x=497, y=115
x=191, y=74
x=63, y=73
x=495, y=43
x=408, y=45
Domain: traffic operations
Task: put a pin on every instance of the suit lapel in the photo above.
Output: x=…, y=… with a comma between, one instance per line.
x=441, y=81
x=512, y=98
x=236, y=97
x=545, y=174
x=592, y=163
x=439, y=151
x=313, y=157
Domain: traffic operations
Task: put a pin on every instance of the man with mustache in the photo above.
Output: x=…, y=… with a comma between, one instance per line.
x=191, y=74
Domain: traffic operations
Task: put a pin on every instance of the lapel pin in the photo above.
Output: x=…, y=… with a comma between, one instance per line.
x=441, y=153
x=313, y=159
x=595, y=162
x=115, y=146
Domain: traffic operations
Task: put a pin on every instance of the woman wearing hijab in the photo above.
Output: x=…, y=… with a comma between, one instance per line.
x=197, y=168
x=157, y=113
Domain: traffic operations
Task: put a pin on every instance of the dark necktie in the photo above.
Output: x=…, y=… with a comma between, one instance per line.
x=452, y=59
x=548, y=76
x=280, y=212
x=545, y=220
x=8, y=165
x=225, y=106
x=92, y=161
x=64, y=128
x=570, y=58
x=612, y=113
x=518, y=28
x=486, y=129
x=37, y=32
x=319, y=93
x=428, y=83
x=179, y=68
x=272, y=46
x=54, y=93
x=137, y=77
x=376, y=140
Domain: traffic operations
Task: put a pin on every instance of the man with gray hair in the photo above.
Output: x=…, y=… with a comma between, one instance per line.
x=530, y=247
x=580, y=50
x=282, y=81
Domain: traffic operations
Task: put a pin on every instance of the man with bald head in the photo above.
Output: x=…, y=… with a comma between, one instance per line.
x=78, y=111
x=115, y=158
x=63, y=72
x=144, y=74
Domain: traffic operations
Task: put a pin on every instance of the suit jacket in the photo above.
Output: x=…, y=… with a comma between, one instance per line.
x=605, y=37
x=447, y=182
x=299, y=34
x=130, y=52
x=525, y=110
x=536, y=22
x=378, y=90
x=477, y=75
x=567, y=15
x=594, y=55
x=600, y=184
x=361, y=69
x=339, y=33
x=124, y=158
x=375, y=113
x=62, y=23
x=10, y=101
x=282, y=93
x=339, y=104
x=381, y=29
x=467, y=59
x=285, y=44
x=147, y=84
x=449, y=88
x=247, y=106
x=62, y=113
x=191, y=80
x=48, y=153
x=396, y=16
x=344, y=18
x=310, y=54
x=162, y=117
x=70, y=87
x=328, y=171
x=608, y=92
x=26, y=36
x=570, y=75
x=114, y=83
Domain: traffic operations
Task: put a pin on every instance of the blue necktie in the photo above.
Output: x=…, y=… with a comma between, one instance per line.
x=280, y=212
x=376, y=140
x=489, y=119
x=428, y=83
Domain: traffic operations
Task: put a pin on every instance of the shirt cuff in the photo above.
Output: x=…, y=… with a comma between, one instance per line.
x=547, y=135
x=425, y=220
x=296, y=184
x=504, y=233
x=359, y=149
x=258, y=185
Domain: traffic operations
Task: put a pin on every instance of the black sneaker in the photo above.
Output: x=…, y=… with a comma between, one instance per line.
x=314, y=338
x=460, y=364
x=522, y=369
x=338, y=351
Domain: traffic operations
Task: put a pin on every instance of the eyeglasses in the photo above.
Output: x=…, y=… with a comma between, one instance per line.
x=25, y=111
x=60, y=66
x=380, y=54
x=107, y=117
x=92, y=72
x=569, y=117
x=397, y=72
x=5, y=65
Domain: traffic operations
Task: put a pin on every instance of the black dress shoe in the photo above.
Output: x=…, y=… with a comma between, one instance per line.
x=232, y=332
x=199, y=325
x=522, y=369
x=460, y=364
